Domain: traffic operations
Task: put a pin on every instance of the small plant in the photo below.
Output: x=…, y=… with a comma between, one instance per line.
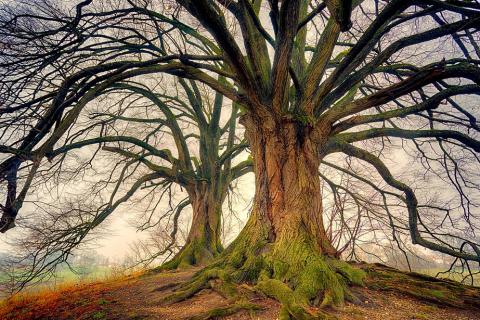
x=99, y=315
x=421, y=316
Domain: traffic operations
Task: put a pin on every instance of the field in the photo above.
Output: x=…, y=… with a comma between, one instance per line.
x=66, y=276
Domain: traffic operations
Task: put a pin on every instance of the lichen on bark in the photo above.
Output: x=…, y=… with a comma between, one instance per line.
x=203, y=242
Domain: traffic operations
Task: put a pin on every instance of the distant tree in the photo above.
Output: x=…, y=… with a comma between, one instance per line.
x=205, y=171
x=156, y=140
x=314, y=80
x=200, y=162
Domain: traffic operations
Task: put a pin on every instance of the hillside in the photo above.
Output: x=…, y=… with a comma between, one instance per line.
x=387, y=294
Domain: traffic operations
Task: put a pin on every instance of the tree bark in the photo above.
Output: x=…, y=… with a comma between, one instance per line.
x=284, y=248
x=288, y=198
x=203, y=243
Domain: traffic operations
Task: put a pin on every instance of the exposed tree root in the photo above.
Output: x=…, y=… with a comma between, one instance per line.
x=192, y=254
x=166, y=287
x=291, y=272
x=291, y=306
x=202, y=281
x=226, y=311
x=443, y=292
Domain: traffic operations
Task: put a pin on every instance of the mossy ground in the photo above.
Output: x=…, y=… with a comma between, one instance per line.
x=291, y=272
x=138, y=298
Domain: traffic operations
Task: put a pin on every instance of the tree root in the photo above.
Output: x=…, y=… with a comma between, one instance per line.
x=199, y=282
x=290, y=305
x=192, y=254
x=292, y=271
x=442, y=292
x=307, y=284
x=226, y=311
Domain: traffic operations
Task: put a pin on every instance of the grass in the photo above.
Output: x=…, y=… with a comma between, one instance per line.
x=89, y=298
x=65, y=276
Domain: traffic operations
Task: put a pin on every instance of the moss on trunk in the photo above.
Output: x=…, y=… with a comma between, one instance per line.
x=203, y=243
x=284, y=250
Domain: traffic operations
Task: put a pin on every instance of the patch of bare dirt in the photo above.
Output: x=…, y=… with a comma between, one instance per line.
x=377, y=305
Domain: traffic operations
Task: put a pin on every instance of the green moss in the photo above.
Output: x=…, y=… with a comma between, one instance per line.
x=251, y=269
x=225, y=288
x=311, y=275
x=280, y=269
x=354, y=275
x=284, y=314
x=290, y=270
x=193, y=253
x=198, y=283
x=317, y=277
x=421, y=316
x=225, y=311
x=437, y=293
x=98, y=315
x=280, y=291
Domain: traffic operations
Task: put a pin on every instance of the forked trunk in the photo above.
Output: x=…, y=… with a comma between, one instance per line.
x=203, y=242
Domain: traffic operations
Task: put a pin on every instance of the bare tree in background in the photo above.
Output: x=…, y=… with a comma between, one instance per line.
x=149, y=141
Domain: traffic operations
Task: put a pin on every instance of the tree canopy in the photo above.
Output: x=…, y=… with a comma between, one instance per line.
x=349, y=85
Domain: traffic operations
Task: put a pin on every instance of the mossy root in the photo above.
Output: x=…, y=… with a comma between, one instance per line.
x=226, y=311
x=199, y=282
x=290, y=271
x=442, y=292
x=192, y=254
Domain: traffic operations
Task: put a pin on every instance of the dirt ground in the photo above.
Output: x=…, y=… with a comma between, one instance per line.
x=140, y=297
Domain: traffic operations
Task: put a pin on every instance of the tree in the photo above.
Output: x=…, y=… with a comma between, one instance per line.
x=137, y=122
x=205, y=175
x=316, y=80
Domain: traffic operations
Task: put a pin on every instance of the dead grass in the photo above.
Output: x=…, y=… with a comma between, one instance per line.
x=86, y=300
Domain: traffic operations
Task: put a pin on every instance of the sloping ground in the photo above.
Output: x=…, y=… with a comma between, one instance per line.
x=388, y=294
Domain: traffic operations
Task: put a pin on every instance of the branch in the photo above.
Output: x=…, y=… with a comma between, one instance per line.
x=408, y=134
x=411, y=201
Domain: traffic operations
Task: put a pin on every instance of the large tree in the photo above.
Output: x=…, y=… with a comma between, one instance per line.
x=202, y=164
x=159, y=139
x=316, y=79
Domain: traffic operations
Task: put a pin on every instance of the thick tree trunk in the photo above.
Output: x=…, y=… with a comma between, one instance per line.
x=283, y=249
x=203, y=242
x=288, y=199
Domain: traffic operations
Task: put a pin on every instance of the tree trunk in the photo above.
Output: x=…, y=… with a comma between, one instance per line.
x=203, y=242
x=288, y=198
x=284, y=248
